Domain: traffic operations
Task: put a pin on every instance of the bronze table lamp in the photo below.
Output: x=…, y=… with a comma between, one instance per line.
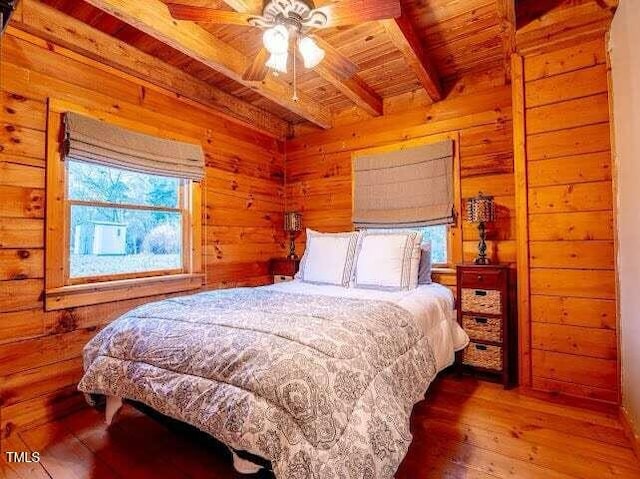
x=482, y=210
x=292, y=225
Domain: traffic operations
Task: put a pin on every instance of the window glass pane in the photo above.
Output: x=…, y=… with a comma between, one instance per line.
x=108, y=241
x=438, y=237
x=90, y=182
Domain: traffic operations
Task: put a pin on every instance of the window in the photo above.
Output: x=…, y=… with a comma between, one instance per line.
x=438, y=235
x=410, y=185
x=123, y=212
x=123, y=223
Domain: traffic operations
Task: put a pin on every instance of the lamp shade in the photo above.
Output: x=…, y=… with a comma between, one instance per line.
x=481, y=209
x=292, y=222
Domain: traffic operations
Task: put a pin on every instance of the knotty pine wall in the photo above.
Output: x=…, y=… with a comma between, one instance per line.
x=40, y=353
x=318, y=164
x=571, y=326
x=570, y=222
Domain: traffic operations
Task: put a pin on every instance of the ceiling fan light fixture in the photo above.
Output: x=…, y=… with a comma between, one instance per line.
x=278, y=62
x=311, y=53
x=276, y=40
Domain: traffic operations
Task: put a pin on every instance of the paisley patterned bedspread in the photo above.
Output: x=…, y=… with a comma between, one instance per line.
x=322, y=387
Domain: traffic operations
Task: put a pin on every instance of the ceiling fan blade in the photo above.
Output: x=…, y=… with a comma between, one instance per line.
x=341, y=66
x=246, y=6
x=353, y=12
x=258, y=70
x=208, y=15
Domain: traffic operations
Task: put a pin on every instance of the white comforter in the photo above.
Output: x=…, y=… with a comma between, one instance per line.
x=433, y=305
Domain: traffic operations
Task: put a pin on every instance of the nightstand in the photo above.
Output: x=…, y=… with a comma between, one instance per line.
x=484, y=312
x=283, y=269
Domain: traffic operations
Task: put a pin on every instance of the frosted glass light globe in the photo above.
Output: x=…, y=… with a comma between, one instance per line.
x=276, y=39
x=311, y=53
x=278, y=62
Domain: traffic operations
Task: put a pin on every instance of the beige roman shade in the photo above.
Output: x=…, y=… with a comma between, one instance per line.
x=95, y=141
x=411, y=187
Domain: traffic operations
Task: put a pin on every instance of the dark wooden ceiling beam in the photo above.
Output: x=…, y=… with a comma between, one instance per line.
x=354, y=88
x=56, y=27
x=403, y=35
x=153, y=18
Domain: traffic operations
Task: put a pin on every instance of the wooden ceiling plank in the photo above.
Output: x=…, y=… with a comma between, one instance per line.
x=341, y=73
x=339, y=63
x=258, y=70
x=153, y=18
x=403, y=35
x=54, y=26
x=353, y=88
x=543, y=27
x=507, y=21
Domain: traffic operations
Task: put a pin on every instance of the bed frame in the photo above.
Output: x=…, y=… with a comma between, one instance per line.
x=243, y=466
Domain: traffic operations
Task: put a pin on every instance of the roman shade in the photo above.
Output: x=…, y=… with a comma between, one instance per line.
x=412, y=187
x=87, y=139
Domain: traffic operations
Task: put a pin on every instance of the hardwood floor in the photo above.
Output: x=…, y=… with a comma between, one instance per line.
x=464, y=429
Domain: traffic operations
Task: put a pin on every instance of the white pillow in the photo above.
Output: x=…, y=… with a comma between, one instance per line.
x=387, y=260
x=328, y=258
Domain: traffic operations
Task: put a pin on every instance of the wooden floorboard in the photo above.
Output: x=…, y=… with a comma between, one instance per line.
x=464, y=429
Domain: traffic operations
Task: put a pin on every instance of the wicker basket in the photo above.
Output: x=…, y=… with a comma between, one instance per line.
x=481, y=301
x=483, y=356
x=487, y=329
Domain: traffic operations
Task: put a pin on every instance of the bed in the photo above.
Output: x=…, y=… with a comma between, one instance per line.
x=319, y=380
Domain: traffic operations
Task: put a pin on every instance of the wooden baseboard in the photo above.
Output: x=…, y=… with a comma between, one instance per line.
x=632, y=434
x=570, y=400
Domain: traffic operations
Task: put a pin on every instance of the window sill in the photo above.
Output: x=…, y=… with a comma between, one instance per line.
x=443, y=270
x=97, y=293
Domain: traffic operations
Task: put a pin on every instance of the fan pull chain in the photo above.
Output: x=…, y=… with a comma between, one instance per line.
x=295, y=72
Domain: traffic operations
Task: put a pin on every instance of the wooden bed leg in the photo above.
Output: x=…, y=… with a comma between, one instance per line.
x=243, y=466
x=113, y=405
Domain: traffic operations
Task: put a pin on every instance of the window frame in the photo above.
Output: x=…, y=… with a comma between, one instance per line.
x=63, y=291
x=454, y=230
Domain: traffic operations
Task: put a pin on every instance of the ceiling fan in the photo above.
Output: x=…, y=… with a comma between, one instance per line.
x=291, y=22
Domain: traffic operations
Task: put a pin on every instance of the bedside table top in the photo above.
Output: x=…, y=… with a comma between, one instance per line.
x=483, y=266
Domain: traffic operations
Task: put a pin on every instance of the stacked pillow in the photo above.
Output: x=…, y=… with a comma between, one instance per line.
x=375, y=259
x=328, y=258
x=387, y=260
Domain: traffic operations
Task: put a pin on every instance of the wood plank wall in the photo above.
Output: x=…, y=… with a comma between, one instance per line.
x=244, y=185
x=318, y=164
x=570, y=221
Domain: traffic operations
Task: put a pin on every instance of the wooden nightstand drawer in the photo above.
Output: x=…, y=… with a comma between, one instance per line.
x=482, y=327
x=493, y=279
x=485, y=301
x=484, y=356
